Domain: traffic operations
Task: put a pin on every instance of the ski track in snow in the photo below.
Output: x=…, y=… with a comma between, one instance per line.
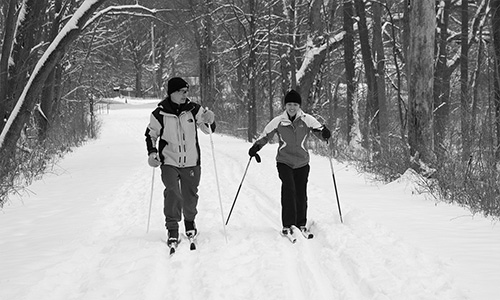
x=114, y=257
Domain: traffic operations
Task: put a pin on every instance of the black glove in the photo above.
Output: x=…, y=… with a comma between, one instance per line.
x=253, y=152
x=325, y=133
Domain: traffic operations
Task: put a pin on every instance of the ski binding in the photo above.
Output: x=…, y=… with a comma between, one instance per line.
x=289, y=235
x=172, y=244
x=192, y=235
x=306, y=233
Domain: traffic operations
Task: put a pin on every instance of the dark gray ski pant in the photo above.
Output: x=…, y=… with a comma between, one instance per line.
x=180, y=194
x=293, y=194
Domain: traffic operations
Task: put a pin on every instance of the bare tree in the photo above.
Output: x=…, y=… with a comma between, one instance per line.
x=370, y=128
x=350, y=63
x=495, y=20
x=50, y=95
x=252, y=61
x=421, y=75
x=379, y=59
x=442, y=77
x=464, y=81
x=207, y=60
x=7, y=45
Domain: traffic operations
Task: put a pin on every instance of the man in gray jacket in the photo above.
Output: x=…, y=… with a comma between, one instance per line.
x=172, y=145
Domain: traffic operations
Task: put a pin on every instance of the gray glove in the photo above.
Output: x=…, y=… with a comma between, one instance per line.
x=208, y=117
x=154, y=160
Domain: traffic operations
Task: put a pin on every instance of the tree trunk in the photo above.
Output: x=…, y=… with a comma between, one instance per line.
x=207, y=74
x=28, y=33
x=252, y=103
x=315, y=36
x=420, y=81
x=349, y=62
x=292, y=42
x=138, y=80
x=161, y=67
x=269, y=64
x=442, y=81
x=8, y=41
x=475, y=88
x=378, y=46
x=370, y=127
x=48, y=98
x=464, y=95
x=495, y=20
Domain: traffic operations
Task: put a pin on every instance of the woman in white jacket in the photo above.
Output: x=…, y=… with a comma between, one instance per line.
x=292, y=127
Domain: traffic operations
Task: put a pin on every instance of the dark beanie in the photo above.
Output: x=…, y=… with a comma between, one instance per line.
x=293, y=96
x=176, y=84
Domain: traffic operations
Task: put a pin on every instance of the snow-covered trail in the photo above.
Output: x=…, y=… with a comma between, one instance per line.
x=82, y=234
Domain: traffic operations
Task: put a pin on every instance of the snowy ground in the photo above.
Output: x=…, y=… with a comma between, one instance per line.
x=81, y=232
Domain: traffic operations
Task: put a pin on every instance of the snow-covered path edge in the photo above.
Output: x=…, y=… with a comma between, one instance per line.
x=83, y=234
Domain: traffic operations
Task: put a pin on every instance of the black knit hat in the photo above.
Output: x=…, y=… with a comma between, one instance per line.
x=175, y=84
x=293, y=96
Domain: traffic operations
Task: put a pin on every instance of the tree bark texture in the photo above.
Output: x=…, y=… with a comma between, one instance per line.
x=371, y=127
x=252, y=103
x=28, y=34
x=207, y=74
x=8, y=41
x=349, y=61
x=48, y=99
x=421, y=77
x=495, y=20
x=442, y=77
x=378, y=47
x=464, y=82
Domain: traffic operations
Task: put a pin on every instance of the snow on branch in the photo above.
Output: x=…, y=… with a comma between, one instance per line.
x=80, y=20
x=313, y=51
x=133, y=10
x=44, y=66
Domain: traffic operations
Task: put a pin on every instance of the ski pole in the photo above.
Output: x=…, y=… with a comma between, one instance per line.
x=335, y=186
x=217, y=180
x=239, y=188
x=151, y=199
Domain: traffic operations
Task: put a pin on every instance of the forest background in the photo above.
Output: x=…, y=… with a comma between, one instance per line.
x=401, y=83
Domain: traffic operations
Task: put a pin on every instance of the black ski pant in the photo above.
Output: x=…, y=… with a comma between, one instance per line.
x=293, y=194
x=180, y=194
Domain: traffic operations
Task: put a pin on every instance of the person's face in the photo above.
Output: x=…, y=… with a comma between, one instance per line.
x=179, y=96
x=292, y=108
